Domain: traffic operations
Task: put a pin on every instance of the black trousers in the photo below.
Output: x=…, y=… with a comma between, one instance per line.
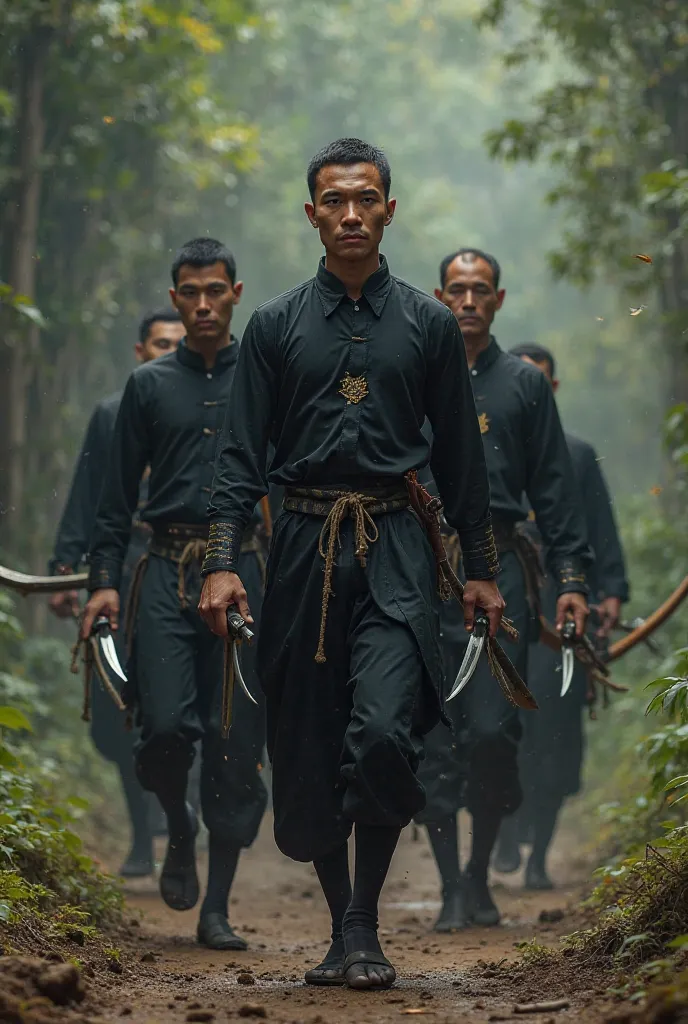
x=177, y=677
x=473, y=763
x=551, y=754
x=345, y=737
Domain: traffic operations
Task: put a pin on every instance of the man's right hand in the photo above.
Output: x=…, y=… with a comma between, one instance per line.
x=220, y=591
x=65, y=605
x=101, y=602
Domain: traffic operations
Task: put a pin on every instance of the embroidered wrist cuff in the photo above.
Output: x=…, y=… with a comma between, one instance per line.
x=570, y=577
x=479, y=553
x=104, y=576
x=224, y=548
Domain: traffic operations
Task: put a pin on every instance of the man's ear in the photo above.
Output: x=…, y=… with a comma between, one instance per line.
x=501, y=295
x=310, y=213
x=237, y=289
x=173, y=297
x=439, y=292
x=555, y=386
x=391, y=207
x=138, y=352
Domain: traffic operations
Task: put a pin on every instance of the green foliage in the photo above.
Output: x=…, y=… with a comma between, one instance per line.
x=642, y=903
x=43, y=868
x=139, y=144
x=20, y=305
x=609, y=123
x=612, y=126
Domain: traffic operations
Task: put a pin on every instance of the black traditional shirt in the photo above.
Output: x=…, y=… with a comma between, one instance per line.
x=526, y=451
x=607, y=578
x=169, y=418
x=341, y=388
x=76, y=525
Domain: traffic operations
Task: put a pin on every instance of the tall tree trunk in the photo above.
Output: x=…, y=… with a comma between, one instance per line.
x=18, y=343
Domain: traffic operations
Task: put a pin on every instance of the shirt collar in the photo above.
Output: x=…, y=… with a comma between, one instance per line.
x=487, y=357
x=331, y=290
x=225, y=357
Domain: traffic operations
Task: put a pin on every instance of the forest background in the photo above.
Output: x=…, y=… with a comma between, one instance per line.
x=547, y=131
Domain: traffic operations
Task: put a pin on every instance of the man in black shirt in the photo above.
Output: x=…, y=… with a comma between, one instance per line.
x=159, y=333
x=169, y=419
x=340, y=373
x=551, y=754
x=525, y=451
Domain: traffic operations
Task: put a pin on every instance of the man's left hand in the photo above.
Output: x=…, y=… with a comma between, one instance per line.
x=608, y=611
x=574, y=606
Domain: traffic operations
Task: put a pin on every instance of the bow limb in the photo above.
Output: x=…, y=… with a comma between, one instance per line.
x=651, y=623
x=26, y=584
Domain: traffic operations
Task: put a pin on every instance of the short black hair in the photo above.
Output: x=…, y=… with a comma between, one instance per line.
x=538, y=353
x=348, y=152
x=167, y=316
x=479, y=254
x=203, y=252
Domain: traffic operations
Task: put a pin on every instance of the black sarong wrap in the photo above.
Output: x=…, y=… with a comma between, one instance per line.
x=345, y=735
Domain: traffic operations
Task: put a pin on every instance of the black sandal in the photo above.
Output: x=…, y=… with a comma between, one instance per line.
x=372, y=958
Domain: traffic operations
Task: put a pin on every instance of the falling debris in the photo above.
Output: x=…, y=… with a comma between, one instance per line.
x=108, y=119
x=643, y=257
x=636, y=310
x=599, y=319
x=654, y=491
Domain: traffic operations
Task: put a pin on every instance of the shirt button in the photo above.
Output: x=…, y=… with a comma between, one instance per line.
x=474, y=372
x=209, y=376
x=357, y=308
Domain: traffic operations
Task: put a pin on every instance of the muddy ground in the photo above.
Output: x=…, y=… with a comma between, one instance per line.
x=474, y=976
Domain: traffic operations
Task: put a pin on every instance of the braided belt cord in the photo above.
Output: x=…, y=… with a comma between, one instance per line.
x=365, y=532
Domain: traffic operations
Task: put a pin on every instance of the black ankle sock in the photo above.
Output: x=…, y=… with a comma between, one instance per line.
x=222, y=864
x=485, y=828
x=375, y=846
x=333, y=875
x=137, y=801
x=509, y=831
x=173, y=802
x=444, y=839
x=544, y=824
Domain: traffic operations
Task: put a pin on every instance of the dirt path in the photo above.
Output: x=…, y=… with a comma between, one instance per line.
x=278, y=908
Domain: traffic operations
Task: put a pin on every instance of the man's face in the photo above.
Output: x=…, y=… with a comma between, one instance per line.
x=350, y=210
x=545, y=368
x=205, y=298
x=163, y=337
x=470, y=293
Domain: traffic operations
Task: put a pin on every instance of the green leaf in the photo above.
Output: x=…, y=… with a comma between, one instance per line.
x=32, y=313
x=12, y=718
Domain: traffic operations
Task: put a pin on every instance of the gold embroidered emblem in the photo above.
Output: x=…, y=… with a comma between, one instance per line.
x=484, y=421
x=354, y=389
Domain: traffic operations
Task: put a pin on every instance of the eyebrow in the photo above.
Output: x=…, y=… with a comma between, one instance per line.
x=469, y=284
x=368, y=190
x=208, y=284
